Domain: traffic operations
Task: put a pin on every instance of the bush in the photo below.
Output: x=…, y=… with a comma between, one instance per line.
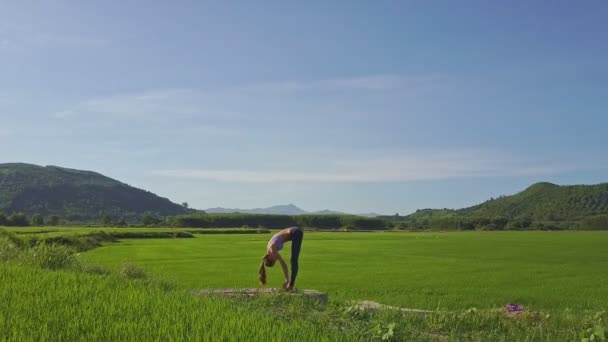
x=10, y=246
x=54, y=221
x=132, y=271
x=12, y=237
x=41, y=254
x=229, y=231
x=362, y=223
x=17, y=220
x=319, y=221
x=151, y=235
x=79, y=243
x=50, y=256
x=231, y=221
x=38, y=220
x=599, y=222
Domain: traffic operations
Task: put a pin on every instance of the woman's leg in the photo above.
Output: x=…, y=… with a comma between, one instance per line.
x=296, y=245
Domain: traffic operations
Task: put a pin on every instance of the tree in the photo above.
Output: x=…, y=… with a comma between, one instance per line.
x=107, y=220
x=18, y=220
x=185, y=205
x=3, y=219
x=149, y=219
x=54, y=221
x=38, y=220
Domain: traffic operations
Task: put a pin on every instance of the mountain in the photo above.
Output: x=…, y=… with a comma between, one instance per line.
x=328, y=212
x=372, y=214
x=75, y=195
x=288, y=209
x=541, y=202
x=550, y=202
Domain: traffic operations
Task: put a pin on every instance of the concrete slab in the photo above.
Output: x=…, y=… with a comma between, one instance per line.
x=368, y=304
x=250, y=292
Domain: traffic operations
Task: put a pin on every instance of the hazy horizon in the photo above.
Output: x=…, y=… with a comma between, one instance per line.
x=384, y=107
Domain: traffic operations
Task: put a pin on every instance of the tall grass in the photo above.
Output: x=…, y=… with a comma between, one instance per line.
x=40, y=304
x=52, y=256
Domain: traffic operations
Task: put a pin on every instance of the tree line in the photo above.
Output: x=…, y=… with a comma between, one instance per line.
x=439, y=220
x=203, y=220
x=345, y=222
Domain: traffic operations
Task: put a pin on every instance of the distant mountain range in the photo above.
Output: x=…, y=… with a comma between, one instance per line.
x=84, y=196
x=288, y=209
x=75, y=195
x=78, y=195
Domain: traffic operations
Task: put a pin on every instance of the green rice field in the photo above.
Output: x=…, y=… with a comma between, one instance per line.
x=140, y=289
x=544, y=270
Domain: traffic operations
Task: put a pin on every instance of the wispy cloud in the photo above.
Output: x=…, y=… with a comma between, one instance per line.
x=184, y=101
x=370, y=83
x=410, y=166
x=139, y=105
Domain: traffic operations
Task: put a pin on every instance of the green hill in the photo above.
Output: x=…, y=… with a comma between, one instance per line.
x=539, y=206
x=75, y=195
x=546, y=201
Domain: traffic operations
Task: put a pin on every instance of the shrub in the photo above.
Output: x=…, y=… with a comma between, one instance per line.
x=599, y=222
x=18, y=220
x=132, y=271
x=38, y=220
x=50, y=256
x=10, y=246
x=12, y=237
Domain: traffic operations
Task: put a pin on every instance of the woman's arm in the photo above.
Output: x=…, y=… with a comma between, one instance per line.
x=285, y=269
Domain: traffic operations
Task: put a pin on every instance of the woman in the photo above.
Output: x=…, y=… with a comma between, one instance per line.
x=293, y=234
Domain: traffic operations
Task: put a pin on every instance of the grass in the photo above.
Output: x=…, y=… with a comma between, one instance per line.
x=66, y=305
x=543, y=270
x=83, y=307
x=146, y=294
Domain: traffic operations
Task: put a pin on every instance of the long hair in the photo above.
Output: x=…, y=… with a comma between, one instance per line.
x=262, y=272
x=266, y=261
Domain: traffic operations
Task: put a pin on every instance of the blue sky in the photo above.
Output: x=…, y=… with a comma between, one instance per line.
x=385, y=106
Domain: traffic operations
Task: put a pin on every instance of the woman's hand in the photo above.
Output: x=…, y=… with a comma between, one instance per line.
x=287, y=286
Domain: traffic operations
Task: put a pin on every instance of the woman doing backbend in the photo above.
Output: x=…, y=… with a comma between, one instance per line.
x=293, y=234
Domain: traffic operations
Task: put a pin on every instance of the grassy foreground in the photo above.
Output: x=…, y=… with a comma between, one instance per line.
x=65, y=305
x=44, y=305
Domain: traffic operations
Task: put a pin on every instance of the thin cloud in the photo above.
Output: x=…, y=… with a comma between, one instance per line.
x=366, y=83
x=184, y=101
x=139, y=105
x=399, y=168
